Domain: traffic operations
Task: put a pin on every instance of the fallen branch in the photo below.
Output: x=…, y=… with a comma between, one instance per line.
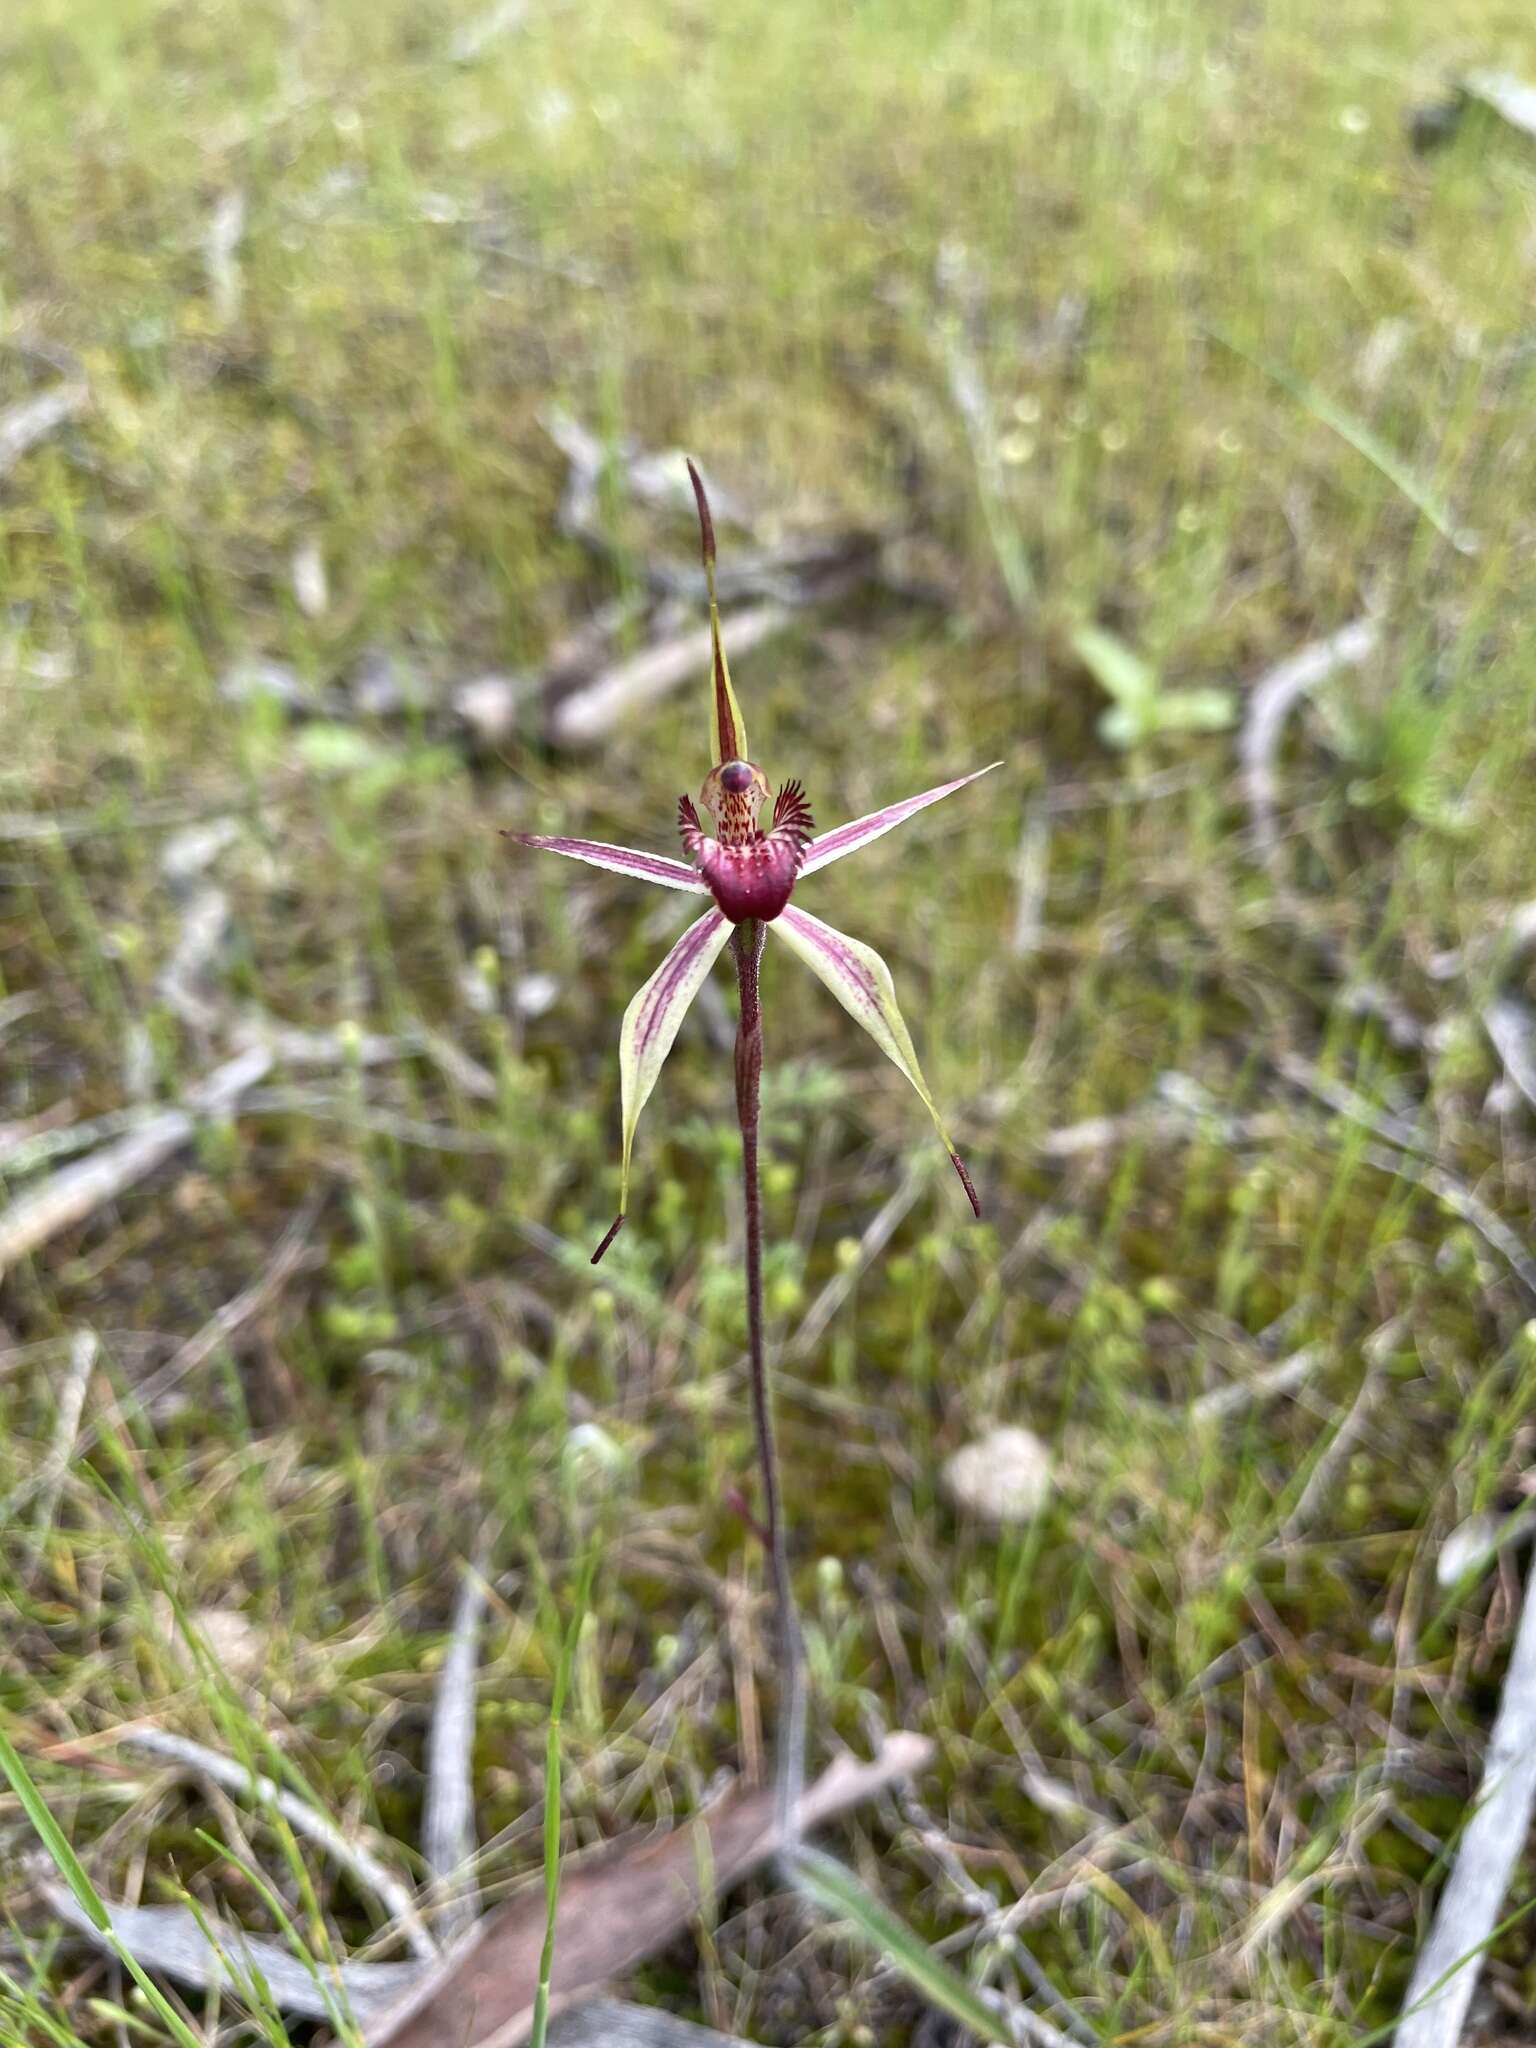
x=1445, y=1975
x=1271, y=701
x=588, y=715
x=200, y=1949
x=616, y=1908
x=448, y=1821
x=195, y=1947
x=77, y=1191
x=1275, y=1380
x=317, y=1827
x=32, y=420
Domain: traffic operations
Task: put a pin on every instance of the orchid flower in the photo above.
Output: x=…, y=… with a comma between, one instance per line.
x=751, y=874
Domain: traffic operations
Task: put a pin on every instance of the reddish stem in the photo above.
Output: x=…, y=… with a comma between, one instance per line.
x=747, y=944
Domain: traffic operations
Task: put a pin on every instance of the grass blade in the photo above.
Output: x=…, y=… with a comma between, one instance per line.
x=1362, y=439
x=552, y=1797
x=72, y=1870
x=834, y=1888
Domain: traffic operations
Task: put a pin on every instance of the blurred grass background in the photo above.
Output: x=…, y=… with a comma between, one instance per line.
x=789, y=240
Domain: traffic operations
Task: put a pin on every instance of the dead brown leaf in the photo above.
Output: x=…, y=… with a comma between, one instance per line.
x=616, y=1908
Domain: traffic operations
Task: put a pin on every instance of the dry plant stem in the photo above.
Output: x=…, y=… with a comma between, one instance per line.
x=747, y=945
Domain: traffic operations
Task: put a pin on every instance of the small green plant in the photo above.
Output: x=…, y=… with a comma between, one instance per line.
x=1143, y=708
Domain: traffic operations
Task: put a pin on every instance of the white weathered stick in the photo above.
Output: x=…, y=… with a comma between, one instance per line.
x=221, y=250
x=1271, y=701
x=205, y=924
x=303, y=1818
x=448, y=1822
x=1446, y=1973
x=1511, y=1025
x=202, y=1950
x=31, y=420
x=606, y=2023
x=1325, y=1474
x=1031, y=871
x=878, y=1233
x=1237, y=1395
x=198, y=1948
x=83, y=1352
x=75, y=1192
x=588, y=715
x=287, y=1255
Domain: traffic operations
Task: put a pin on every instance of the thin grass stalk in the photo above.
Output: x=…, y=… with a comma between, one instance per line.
x=552, y=1800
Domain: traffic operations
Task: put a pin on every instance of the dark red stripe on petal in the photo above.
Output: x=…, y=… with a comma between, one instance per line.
x=673, y=970
x=619, y=860
x=849, y=965
x=691, y=829
x=845, y=838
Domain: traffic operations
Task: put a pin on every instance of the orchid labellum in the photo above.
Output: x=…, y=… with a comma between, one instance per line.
x=752, y=875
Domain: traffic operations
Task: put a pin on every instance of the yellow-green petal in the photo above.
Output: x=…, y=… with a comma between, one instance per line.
x=862, y=983
x=651, y=1022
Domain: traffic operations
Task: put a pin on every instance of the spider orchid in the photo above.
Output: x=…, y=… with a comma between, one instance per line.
x=751, y=875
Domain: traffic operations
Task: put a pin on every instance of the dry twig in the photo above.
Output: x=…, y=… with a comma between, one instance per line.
x=615, y=1908
x=75, y=1192
x=448, y=1822
x=1445, y=1975
x=304, y=1819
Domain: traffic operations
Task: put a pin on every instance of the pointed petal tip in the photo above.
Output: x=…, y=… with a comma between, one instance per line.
x=966, y=1182
x=618, y=860
x=611, y=1233
x=706, y=523
x=844, y=839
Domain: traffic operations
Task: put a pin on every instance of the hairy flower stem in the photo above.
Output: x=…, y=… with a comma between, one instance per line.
x=747, y=944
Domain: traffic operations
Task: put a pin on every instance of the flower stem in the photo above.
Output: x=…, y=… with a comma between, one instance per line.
x=747, y=945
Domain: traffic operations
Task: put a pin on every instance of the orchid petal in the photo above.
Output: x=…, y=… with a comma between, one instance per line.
x=727, y=727
x=651, y=1024
x=861, y=981
x=623, y=860
x=848, y=838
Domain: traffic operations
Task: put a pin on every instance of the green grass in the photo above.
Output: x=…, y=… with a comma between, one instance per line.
x=763, y=234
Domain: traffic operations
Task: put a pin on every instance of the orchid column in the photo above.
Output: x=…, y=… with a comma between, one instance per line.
x=751, y=875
